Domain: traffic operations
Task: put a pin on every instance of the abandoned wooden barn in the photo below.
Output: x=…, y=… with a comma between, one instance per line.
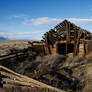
x=67, y=38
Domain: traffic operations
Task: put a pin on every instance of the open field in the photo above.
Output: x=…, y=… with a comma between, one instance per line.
x=69, y=74
x=6, y=46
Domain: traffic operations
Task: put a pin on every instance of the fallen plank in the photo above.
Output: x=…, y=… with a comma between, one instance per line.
x=42, y=85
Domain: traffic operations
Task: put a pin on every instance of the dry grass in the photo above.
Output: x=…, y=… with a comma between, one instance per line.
x=80, y=66
x=6, y=46
x=10, y=88
x=88, y=74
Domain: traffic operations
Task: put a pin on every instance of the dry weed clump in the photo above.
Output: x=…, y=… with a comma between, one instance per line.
x=88, y=78
x=45, y=63
x=50, y=62
x=10, y=88
x=17, y=89
x=89, y=57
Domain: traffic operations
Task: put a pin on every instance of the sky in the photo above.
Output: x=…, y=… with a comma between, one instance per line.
x=30, y=19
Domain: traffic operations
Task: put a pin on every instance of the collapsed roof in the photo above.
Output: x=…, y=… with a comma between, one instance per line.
x=66, y=32
x=59, y=32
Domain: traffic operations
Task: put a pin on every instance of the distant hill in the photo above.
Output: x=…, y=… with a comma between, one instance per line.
x=3, y=39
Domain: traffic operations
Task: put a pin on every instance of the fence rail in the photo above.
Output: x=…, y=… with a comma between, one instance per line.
x=10, y=77
x=15, y=54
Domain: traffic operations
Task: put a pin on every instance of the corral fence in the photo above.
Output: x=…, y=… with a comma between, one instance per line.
x=19, y=54
x=9, y=77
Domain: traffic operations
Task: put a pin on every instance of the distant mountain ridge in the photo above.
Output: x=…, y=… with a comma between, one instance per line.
x=3, y=38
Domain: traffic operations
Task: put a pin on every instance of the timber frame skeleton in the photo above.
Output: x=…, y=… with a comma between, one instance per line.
x=68, y=33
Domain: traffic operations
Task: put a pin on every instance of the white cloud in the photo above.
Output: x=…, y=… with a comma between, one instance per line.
x=20, y=16
x=80, y=21
x=22, y=35
x=45, y=21
x=42, y=21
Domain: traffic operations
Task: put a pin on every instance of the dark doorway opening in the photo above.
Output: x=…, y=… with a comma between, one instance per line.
x=70, y=48
x=61, y=48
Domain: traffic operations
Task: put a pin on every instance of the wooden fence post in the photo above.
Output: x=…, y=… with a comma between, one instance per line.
x=1, y=82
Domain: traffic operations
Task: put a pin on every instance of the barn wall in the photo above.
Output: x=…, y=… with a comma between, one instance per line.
x=81, y=50
x=40, y=49
x=88, y=46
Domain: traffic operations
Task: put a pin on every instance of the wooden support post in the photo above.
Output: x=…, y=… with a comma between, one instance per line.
x=67, y=36
x=44, y=50
x=47, y=43
x=1, y=83
x=84, y=45
x=75, y=40
x=57, y=83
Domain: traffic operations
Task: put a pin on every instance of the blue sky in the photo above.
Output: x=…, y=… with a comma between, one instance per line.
x=30, y=19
